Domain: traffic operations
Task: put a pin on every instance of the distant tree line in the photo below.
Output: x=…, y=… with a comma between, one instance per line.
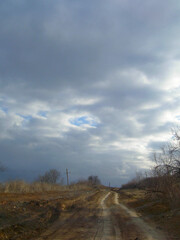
x=53, y=176
x=94, y=180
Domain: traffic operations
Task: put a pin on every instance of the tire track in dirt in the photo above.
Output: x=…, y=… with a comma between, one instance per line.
x=113, y=221
x=108, y=228
x=149, y=232
x=75, y=223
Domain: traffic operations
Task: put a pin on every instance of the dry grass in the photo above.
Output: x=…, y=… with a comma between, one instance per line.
x=20, y=186
x=159, y=188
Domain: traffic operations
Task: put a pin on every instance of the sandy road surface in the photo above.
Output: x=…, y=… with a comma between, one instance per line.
x=108, y=229
x=119, y=222
x=102, y=218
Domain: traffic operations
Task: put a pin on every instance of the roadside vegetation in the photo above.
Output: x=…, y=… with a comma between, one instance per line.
x=156, y=194
x=163, y=181
x=50, y=181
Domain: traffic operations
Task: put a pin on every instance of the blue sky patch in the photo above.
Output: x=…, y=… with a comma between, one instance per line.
x=25, y=117
x=4, y=109
x=43, y=113
x=83, y=120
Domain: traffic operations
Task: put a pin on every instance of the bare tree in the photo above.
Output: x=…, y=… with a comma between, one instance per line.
x=50, y=176
x=94, y=180
x=166, y=172
x=168, y=160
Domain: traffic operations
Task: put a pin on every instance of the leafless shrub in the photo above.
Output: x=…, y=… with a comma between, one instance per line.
x=165, y=175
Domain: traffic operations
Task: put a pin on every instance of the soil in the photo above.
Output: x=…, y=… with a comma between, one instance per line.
x=86, y=214
x=26, y=216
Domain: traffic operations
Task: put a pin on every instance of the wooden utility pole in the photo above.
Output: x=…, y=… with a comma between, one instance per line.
x=109, y=184
x=67, y=175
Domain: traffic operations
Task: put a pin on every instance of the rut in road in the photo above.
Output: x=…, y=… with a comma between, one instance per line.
x=108, y=228
x=148, y=232
x=104, y=219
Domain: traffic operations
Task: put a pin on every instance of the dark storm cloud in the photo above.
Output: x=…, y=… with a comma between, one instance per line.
x=49, y=43
x=112, y=63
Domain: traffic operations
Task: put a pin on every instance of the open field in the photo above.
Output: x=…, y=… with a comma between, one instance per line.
x=94, y=213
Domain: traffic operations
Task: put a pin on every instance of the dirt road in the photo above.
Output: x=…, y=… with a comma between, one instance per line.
x=102, y=217
x=108, y=227
x=139, y=227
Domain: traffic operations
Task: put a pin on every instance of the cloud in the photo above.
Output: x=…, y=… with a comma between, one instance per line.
x=92, y=86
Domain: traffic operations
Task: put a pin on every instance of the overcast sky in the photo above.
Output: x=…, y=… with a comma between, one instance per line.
x=92, y=86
